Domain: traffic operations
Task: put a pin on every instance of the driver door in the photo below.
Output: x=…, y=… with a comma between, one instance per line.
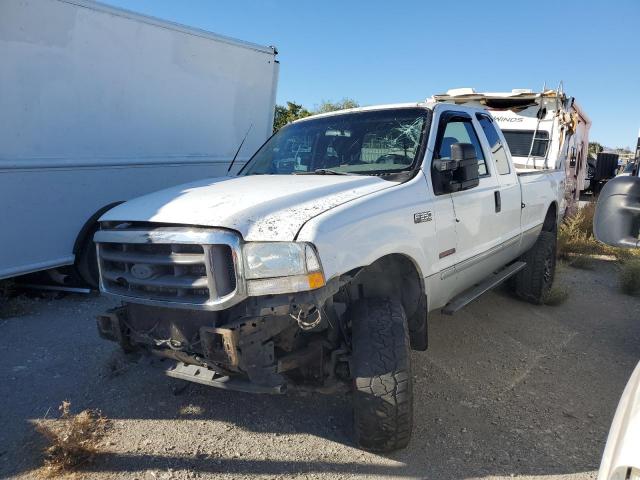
x=474, y=209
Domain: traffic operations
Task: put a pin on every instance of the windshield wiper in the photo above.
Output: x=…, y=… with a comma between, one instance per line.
x=324, y=171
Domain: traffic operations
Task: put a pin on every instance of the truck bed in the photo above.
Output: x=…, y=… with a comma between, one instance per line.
x=537, y=187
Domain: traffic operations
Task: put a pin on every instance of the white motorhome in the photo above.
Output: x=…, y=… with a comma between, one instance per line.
x=544, y=130
x=99, y=105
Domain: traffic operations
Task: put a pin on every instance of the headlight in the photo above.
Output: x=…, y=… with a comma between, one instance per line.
x=281, y=267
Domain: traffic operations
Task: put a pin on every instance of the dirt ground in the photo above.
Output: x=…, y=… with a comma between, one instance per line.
x=506, y=389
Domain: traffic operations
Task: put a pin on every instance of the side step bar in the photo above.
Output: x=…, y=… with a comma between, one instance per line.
x=205, y=376
x=495, y=279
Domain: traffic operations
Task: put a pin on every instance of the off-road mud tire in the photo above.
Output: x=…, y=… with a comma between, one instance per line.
x=533, y=282
x=383, y=395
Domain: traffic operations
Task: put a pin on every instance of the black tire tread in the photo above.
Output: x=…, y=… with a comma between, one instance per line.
x=86, y=264
x=383, y=397
x=529, y=284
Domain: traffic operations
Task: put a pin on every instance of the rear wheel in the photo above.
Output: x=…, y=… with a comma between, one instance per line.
x=533, y=282
x=383, y=396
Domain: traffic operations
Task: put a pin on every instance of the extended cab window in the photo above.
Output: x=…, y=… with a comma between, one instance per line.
x=497, y=149
x=460, y=130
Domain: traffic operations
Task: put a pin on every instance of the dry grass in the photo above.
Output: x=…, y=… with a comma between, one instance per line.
x=191, y=410
x=577, y=246
x=583, y=262
x=73, y=439
x=630, y=277
x=575, y=237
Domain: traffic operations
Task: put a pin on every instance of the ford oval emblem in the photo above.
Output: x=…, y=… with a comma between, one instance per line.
x=141, y=271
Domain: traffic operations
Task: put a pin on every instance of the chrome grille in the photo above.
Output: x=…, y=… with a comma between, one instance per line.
x=182, y=267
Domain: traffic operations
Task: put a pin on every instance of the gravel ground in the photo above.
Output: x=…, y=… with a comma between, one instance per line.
x=506, y=389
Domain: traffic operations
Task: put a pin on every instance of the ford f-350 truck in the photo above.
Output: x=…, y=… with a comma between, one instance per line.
x=316, y=266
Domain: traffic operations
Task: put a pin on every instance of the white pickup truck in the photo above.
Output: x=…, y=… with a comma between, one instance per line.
x=317, y=265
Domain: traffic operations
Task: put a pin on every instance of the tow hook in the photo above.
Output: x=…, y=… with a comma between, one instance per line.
x=307, y=318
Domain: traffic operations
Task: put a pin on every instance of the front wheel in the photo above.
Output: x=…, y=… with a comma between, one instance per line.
x=533, y=282
x=86, y=264
x=381, y=364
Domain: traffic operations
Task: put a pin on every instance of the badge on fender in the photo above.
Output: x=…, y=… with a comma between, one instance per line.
x=422, y=217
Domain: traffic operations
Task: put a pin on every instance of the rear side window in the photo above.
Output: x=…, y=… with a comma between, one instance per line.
x=521, y=142
x=497, y=149
x=461, y=131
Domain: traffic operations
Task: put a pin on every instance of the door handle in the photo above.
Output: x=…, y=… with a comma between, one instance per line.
x=498, y=200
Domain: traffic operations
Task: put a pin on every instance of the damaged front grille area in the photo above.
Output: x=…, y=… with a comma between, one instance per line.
x=179, y=266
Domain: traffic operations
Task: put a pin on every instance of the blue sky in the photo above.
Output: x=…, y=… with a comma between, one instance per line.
x=381, y=51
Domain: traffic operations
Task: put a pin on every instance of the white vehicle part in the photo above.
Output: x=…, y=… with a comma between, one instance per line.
x=260, y=207
x=563, y=129
x=622, y=451
x=353, y=221
x=384, y=223
x=99, y=105
x=358, y=233
x=537, y=189
x=208, y=269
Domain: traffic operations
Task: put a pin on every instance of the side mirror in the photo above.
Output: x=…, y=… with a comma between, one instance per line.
x=617, y=218
x=461, y=171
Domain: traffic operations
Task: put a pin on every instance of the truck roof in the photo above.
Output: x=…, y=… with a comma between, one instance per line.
x=121, y=12
x=389, y=106
x=369, y=108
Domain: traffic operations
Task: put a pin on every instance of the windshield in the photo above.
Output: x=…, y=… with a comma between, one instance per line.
x=366, y=143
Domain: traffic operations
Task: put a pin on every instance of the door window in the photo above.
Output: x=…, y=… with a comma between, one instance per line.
x=497, y=149
x=460, y=130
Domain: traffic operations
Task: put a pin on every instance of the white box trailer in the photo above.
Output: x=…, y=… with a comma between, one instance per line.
x=544, y=130
x=99, y=105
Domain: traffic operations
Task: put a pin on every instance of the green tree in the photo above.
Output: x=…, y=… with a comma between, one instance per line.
x=293, y=111
x=287, y=114
x=595, y=148
x=327, y=106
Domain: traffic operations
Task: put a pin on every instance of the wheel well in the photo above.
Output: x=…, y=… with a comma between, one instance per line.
x=396, y=276
x=89, y=224
x=551, y=219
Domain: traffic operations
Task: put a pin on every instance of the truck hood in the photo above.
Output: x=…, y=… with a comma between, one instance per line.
x=260, y=207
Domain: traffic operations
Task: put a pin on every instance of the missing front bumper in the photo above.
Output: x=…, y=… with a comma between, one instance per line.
x=205, y=376
x=265, y=353
x=244, y=350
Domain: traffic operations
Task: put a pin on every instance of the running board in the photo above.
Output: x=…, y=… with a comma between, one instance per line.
x=468, y=296
x=205, y=376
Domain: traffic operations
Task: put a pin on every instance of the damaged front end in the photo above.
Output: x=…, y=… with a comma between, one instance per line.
x=254, y=316
x=262, y=345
